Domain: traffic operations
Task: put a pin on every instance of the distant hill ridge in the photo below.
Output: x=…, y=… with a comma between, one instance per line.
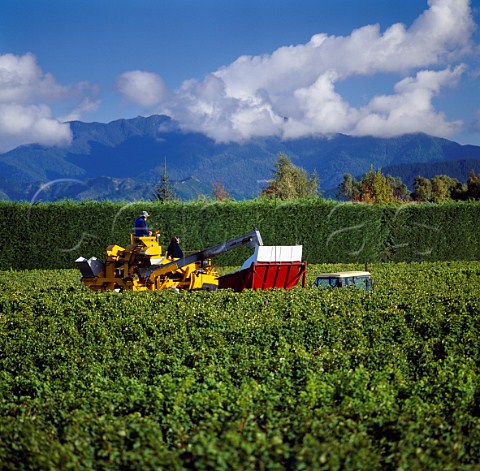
x=124, y=160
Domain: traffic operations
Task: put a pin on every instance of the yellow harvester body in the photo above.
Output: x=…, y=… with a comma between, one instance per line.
x=141, y=266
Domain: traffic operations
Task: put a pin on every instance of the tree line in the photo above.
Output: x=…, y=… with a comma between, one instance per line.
x=288, y=182
x=292, y=182
x=375, y=187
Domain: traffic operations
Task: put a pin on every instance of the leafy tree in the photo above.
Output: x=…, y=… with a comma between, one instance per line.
x=442, y=187
x=437, y=189
x=422, y=189
x=374, y=187
x=378, y=183
x=291, y=182
x=400, y=190
x=164, y=191
x=458, y=191
x=473, y=186
x=349, y=189
x=219, y=192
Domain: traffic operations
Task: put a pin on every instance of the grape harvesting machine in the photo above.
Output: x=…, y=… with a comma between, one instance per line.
x=141, y=266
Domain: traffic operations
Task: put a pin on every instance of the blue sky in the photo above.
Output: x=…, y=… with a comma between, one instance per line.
x=240, y=69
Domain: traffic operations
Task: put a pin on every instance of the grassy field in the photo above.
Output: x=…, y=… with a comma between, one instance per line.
x=300, y=379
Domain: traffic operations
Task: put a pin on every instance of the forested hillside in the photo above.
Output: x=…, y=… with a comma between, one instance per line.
x=124, y=160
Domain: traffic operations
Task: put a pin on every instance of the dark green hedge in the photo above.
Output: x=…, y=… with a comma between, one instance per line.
x=53, y=235
x=432, y=232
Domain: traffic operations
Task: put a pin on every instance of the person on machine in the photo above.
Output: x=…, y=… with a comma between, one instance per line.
x=141, y=227
x=174, y=250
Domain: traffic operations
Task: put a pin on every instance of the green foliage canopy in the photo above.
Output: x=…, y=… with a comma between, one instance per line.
x=291, y=182
x=300, y=379
x=374, y=187
x=438, y=189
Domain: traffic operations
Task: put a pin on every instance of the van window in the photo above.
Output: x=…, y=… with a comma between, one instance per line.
x=323, y=283
x=363, y=282
x=348, y=281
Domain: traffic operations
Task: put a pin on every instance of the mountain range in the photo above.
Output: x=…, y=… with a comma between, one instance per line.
x=125, y=160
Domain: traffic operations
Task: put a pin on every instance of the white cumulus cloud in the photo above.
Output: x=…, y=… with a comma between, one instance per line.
x=21, y=124
x=410, y=109
x=293, y=92
x=22, y=80
x=26, y=93
x=145, y=88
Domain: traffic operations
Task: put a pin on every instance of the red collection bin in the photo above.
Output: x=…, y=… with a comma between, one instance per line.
x=265, y=275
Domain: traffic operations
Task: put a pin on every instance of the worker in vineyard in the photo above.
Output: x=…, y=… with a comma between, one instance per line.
x=141, y=227
x=174, y=250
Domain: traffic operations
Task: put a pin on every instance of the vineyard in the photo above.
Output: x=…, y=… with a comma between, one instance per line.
x=302, y=379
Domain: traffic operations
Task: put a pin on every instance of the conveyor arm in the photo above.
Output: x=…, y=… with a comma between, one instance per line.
x=251, y=239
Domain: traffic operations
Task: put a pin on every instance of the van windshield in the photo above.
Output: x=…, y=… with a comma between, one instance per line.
x=363, y=282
